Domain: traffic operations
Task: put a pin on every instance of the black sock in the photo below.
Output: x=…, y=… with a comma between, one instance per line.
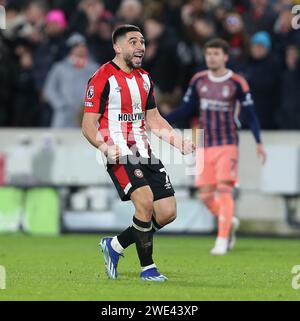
x=143, y=235
x=155, y=225
x=126, y=238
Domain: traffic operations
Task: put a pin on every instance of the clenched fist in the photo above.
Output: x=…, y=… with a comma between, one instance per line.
x=187, y=147
x=113, y=152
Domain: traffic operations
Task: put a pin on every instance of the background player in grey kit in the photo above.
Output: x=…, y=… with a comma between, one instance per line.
x=121, y=87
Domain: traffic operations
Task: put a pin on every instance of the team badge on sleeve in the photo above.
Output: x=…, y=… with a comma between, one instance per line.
x=90, y=92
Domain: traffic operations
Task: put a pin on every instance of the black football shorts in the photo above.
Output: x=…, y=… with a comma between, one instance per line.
x=131, y=173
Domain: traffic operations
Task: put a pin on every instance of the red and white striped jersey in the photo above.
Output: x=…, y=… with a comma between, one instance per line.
x=122, y=100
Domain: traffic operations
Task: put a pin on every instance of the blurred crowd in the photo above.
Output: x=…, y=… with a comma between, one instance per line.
x=50, y=49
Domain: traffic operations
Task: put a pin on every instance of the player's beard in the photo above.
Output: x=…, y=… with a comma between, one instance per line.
x=129, y=61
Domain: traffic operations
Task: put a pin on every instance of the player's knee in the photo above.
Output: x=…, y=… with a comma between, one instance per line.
x=170, y=214
x=145, y=205
x=225, y=187
x=206, y=196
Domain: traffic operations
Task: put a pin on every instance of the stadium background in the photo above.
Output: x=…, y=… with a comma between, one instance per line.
x=52, y=182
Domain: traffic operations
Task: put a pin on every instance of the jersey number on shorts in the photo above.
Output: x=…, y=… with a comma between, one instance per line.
x=167, y=177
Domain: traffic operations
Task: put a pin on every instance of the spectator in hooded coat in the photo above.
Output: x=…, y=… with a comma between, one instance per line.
x=264, y=75
x=66, y=83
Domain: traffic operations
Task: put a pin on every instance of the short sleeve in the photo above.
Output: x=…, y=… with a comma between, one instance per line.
x=96, y=95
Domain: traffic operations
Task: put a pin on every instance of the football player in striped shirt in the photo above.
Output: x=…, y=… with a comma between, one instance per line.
x=216, y=97
x=119, y=103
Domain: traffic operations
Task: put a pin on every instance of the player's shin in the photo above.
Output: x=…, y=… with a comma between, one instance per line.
x=144, y=241
x=126, y=238
x=226, y=210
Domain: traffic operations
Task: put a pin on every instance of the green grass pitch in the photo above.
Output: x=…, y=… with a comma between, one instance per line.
x=70, y=267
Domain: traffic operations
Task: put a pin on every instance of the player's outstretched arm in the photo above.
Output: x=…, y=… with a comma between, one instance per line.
x=188, y=109
x=161, y=128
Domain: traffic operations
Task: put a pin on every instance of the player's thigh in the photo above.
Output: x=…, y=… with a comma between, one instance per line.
x=142, y=198
x=227, y=164
x=165, y=210
x=206, y=173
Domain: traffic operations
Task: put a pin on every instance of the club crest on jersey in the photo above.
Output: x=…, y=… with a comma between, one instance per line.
x=136, y=107
x=146, y=86
x=204, y=89
x=138, y=173
x=225, y=91
x=118, y=89
x=90, y=92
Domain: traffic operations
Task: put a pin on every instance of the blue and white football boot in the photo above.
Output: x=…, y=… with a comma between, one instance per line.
x=111, y=257
x=152, y=275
